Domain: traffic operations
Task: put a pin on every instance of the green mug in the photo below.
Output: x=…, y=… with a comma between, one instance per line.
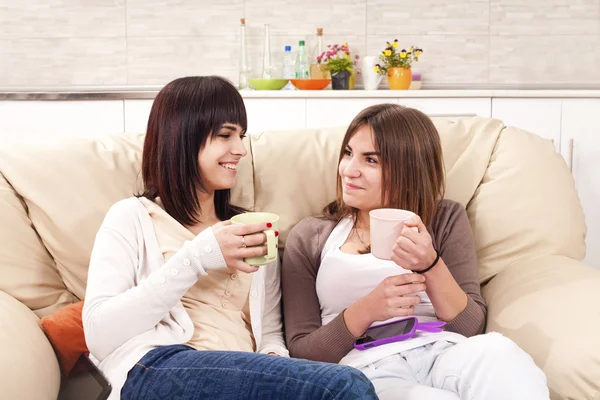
x=257, y=217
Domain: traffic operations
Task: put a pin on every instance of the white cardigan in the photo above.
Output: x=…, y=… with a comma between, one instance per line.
x=133, y=297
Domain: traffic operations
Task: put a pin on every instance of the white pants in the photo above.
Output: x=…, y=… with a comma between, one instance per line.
x=483, y=367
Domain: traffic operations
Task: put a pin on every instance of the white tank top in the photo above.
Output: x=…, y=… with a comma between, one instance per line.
x=344, y=278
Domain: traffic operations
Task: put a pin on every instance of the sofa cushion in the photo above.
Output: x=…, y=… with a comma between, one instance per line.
x=295, y=171
x=28, y=364
x=69, y=183
x=526, y=205
x=547, y=305
x=64, y=330
x=27, y=271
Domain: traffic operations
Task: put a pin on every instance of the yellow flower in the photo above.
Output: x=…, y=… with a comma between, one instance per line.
x=387, y=52
x=395, y=45
x=418, y=53
x=403, y=54
x=376, y=68
x=411, y=49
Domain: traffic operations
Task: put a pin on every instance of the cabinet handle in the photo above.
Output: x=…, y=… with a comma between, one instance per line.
x=571, y=155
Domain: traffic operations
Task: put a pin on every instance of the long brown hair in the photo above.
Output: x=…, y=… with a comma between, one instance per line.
x=411, y=160
x=185, y=113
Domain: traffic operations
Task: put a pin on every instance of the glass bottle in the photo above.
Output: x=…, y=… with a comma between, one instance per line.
x=266, y=68
x=244, y=67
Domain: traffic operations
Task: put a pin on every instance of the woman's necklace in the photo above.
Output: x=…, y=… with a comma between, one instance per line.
x=359, y=238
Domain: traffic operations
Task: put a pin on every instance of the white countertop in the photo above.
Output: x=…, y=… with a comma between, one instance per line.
x=438, y=91
x=326, y=94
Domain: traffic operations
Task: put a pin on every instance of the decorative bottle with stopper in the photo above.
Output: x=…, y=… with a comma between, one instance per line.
x=244, y=68
x=317, y=70
x=319, y=46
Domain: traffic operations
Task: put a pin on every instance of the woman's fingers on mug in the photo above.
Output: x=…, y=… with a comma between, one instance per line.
x=406, y=244
x=254, y=251
x=255, y=239
x=248, y=229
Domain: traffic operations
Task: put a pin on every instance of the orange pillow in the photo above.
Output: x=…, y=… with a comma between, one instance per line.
x=64, y=329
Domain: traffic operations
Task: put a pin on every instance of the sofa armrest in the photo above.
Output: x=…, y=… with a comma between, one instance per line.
x=549, y=307
x=28, y=365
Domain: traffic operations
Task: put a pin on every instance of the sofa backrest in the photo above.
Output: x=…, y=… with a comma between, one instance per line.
x=519, y=194
x=55, y=192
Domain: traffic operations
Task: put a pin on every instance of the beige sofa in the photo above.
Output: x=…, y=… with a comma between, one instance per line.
x=525, y=214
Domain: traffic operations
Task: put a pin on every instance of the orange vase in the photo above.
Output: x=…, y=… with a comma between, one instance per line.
x=399, y=78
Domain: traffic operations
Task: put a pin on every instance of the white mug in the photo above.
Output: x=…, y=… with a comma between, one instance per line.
x=386, y=225
x=371, y=79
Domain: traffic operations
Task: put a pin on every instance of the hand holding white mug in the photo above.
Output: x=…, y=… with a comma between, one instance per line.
x=414, y=248
x=241, y=241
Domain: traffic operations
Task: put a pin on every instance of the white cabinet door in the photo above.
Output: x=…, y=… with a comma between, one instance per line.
x=79, y=118
x=539, y=116
x=327, y=113
x=136, y=115
x=450, y=108
x=263, y=114
x=275, y=114
x=580, y=142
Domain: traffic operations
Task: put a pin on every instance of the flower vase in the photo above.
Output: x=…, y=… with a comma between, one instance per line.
x=340, y=80
x=399, y=78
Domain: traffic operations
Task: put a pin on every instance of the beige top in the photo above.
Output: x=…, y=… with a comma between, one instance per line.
x=218, y=303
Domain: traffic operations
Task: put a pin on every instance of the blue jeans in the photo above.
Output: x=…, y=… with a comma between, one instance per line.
x=180, y=372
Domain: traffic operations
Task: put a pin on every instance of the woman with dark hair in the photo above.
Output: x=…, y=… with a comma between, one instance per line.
x=172, y=310
x=334, y=289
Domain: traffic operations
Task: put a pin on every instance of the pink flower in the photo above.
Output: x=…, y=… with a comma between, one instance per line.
x=357, y=57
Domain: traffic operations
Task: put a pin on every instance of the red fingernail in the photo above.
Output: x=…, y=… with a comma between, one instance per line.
x=269, y=224
x=276, y=233
x=276, y=246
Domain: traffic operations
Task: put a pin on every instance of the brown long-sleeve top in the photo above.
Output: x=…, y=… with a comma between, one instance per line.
x=305, y=335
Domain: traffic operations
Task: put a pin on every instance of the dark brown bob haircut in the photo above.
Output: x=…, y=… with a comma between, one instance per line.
x=185, y=113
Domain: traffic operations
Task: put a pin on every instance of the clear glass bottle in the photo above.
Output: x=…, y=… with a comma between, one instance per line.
x=266, y=68
x=318, y=47
x=302, y=66
x=244, y=67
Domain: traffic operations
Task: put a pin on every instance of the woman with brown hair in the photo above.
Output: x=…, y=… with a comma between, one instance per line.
x=172, y=310
x=334, y=289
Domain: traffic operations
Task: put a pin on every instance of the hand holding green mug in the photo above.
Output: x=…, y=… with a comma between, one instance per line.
x=271, y=234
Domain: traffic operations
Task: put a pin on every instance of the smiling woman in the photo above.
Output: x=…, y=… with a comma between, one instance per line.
x=334, y=289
